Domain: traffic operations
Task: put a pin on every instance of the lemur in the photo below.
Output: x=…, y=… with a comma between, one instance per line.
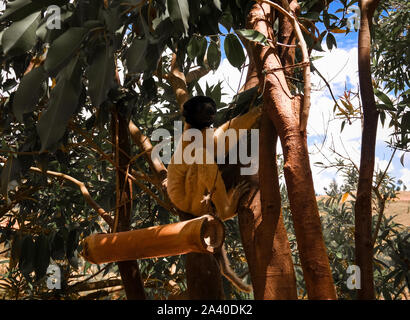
x=191, y=186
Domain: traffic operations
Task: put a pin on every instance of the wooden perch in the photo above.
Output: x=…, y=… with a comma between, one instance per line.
x=204, y=234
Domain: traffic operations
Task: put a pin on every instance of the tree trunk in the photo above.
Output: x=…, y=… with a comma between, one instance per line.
x=129, y=270
x=204, y=279
x=284, y=113
x=263, y=233
x=363, y=206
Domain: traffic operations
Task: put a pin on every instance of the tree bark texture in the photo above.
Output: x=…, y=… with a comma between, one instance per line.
x=283, y=111
x=363, y=206
x=263, y=233
x=129, y=270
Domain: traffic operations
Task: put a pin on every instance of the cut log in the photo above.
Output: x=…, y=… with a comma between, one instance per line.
x=204, y=234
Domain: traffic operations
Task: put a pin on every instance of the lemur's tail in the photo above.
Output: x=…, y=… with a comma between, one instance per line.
x=229, y=274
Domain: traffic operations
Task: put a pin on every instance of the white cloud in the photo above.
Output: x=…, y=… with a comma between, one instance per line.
x=405, y=176
x=381, y=165
x=339, y=67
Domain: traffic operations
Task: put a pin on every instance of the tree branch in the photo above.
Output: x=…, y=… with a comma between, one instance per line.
x=197, y=74
x=304, y=114
x=144, y=144
x=178, y=82
x=103, y=214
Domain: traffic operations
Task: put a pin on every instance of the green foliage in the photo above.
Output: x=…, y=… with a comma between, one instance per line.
x=20, y=37
x=390, y=67
x=29, y=92
x=390, y=46
x=19, y=9
x=63, y=48
x=253, y=35
x=63, y=102
x=391, y=249
x=234, y=50
x=390, y=272
x=101, y=75
x=213, y=55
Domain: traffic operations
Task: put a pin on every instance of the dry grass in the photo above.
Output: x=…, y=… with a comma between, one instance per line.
x=400, y=208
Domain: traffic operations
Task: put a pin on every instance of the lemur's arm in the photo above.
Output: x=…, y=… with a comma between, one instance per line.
x=245, y=121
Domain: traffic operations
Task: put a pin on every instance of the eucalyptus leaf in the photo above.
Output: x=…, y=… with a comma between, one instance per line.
x=402, y=159
x=29, y=92
x=226, y=20
x=21, y=35
x=15, y=250
x=19, y=9
x=101, y=75
x=10, y=175
x=62, y=104
x=213, y=55
x=47, y=34
x=193, y=48
x=217, y=4
x=63, y=48
x=57, y=246
x=384, y=98
x=135, y=56
x=9, y=84
x=202, y=44
x=331, y=41
x=27, y=255
x=179, y=11
x=234, y=51
x=42, y=256
x=252, y=35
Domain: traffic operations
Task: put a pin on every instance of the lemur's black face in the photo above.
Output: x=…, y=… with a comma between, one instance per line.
x=200, y=112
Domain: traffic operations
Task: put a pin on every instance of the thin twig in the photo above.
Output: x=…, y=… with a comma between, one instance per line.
x=328, y=86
